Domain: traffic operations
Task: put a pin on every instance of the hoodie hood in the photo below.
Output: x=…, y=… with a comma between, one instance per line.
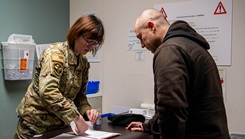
x=183, y=29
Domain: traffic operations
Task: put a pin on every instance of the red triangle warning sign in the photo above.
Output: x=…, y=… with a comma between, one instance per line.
x=163, y=12
x=220, y=9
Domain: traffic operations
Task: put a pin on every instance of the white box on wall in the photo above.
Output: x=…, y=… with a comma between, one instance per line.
x=18, y=57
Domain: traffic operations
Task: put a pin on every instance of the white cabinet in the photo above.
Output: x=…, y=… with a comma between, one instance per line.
x=95, y=100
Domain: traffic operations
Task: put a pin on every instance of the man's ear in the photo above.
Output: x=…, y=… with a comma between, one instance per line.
x=150, y=24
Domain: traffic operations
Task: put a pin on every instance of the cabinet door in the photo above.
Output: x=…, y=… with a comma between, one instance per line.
x=96, y=102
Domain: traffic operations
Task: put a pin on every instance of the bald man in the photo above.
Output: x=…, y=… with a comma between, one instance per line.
x=187, y=90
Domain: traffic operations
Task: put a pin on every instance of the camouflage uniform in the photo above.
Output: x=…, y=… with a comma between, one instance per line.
x=60, y=78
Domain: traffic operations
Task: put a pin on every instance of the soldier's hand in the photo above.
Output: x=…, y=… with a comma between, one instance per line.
x=93, y=115
x=81, y=125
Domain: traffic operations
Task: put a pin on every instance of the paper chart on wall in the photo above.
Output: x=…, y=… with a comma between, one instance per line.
x=210, y=18
x=93, y=58
x=40, y=48
x=134, y=43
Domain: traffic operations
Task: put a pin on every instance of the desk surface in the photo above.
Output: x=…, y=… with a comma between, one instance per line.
x=105, y=126
x=125, y=134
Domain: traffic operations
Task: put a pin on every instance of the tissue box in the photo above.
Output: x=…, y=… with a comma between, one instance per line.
x=92, y=87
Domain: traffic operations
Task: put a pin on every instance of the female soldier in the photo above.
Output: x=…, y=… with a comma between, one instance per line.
x=61, y=76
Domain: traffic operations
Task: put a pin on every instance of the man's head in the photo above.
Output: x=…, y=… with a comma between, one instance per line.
x=151, y=27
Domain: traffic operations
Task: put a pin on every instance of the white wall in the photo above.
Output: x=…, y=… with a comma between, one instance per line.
x=235, y=104
x=126, y=82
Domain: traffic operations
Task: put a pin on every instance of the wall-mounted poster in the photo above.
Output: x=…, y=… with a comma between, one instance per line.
x=210, y=18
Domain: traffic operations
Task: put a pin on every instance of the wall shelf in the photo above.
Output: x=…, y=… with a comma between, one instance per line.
x=98, y=94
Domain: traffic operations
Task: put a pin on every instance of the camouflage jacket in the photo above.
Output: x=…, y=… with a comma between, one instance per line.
x=60, y=79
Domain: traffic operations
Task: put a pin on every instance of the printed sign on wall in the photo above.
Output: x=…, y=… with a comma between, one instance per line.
x=210, y=18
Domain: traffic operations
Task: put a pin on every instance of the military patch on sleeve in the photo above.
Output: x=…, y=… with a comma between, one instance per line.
x=58, y=58
x=57, y=69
